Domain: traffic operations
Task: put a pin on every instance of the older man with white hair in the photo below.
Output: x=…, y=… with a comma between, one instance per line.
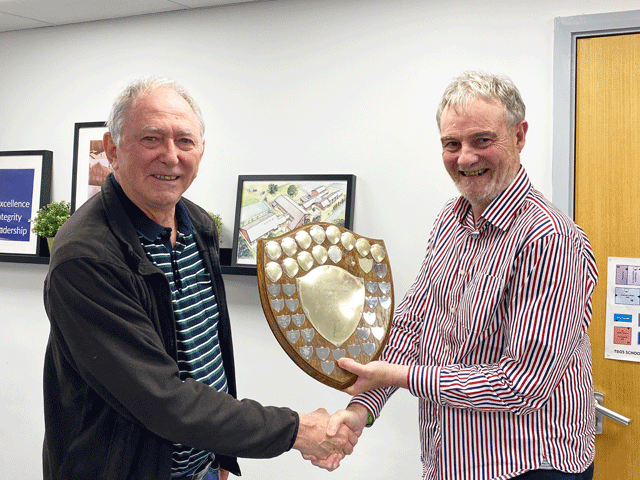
x=139, y=377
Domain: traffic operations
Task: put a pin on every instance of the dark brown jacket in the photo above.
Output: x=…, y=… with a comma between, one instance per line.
x=114, y=402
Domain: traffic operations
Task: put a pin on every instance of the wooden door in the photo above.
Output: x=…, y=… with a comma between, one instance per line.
x=607, y=207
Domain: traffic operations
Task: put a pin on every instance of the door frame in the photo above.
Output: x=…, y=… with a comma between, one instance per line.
x=567, y=30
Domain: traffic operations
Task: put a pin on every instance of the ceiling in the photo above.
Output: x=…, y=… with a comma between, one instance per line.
x=25, y=14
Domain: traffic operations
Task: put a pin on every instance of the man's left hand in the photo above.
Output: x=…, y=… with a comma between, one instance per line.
x=374, y=375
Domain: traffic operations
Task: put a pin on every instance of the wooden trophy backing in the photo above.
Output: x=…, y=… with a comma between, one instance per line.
x=283, y=262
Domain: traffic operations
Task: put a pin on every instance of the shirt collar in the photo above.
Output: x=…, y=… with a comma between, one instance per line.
x=143, y=224
x=503, y=210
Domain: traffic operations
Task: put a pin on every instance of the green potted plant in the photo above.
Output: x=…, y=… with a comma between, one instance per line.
x=49, y=219
x=218, y=221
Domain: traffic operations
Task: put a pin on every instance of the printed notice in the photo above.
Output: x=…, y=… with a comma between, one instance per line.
x=622, y=333
x=16, y=192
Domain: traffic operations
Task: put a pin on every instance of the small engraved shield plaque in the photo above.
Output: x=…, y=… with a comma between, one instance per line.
x=327, y=293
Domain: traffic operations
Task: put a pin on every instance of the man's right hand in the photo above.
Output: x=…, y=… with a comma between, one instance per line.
x=316, y=445
x=352, y=420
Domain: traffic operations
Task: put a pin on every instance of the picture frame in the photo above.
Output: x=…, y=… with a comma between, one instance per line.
x=90, y=165
x=25, y=187
x=269, y=205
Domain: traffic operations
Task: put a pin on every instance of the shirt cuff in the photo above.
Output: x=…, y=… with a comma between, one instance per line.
x=424, y=382
x=371, y=402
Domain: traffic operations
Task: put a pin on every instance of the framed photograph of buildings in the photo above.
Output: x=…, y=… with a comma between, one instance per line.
x=90, y=165
x=271, y=205
x=25, y=187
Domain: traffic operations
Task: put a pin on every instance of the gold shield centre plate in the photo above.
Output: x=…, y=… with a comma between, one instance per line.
x=332, y=300
x=327, y=293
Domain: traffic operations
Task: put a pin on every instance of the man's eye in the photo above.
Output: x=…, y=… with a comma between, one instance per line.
x=186, y=143
x=149, y=139
x=451, y=146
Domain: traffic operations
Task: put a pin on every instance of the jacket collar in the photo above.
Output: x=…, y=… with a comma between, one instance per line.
x=123, y=229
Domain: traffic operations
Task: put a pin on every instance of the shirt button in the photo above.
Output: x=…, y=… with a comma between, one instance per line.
x=452, y=309
x=462, y=273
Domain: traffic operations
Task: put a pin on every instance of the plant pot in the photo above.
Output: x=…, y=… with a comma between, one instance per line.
x=50, y=244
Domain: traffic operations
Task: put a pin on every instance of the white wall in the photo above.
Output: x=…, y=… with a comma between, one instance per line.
x=304, y=86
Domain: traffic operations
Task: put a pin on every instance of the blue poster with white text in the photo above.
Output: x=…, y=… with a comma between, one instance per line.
x=16, y=194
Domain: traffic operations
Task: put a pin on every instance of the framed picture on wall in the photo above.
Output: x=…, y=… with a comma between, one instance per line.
x=25, y=187
x=271, y=205
x=90, y=165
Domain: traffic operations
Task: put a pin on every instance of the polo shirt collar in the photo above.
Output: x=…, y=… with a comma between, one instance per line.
x=143, y=224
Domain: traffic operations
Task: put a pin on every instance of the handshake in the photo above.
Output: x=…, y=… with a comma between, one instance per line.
x=326, y=439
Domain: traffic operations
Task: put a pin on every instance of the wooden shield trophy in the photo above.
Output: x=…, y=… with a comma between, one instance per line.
x=327, y=293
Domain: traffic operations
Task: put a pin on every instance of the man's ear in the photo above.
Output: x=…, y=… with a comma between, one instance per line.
x=110, y=150
x=521, y=134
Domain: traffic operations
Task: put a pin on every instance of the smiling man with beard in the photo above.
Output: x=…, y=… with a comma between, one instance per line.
x=492, y=336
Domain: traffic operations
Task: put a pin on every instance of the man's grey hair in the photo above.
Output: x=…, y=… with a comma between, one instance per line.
x=138, y=87
x=489, y=87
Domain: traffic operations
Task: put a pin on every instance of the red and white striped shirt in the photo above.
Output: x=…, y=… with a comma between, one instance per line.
x=495, y=331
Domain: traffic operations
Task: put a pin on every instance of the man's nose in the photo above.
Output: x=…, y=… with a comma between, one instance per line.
x=170, y=155
x=467, y=155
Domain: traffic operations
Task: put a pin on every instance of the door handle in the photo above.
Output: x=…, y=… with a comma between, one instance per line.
x=602, y=411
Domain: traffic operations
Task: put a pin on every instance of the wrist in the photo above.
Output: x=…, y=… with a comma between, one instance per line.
x=362, y=413
x=399, y=376
x=304, y=435
x=298, y=441
x=392, y=374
